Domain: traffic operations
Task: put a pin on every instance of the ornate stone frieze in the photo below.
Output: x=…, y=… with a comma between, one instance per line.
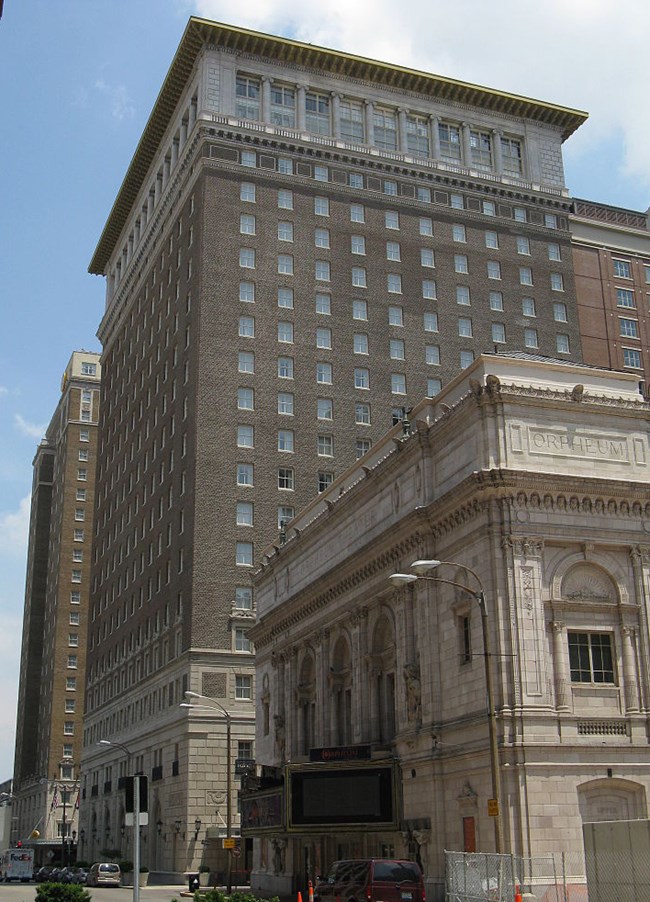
x=524, y=546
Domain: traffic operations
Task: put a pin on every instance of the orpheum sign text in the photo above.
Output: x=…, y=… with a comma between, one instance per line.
x=576, y=444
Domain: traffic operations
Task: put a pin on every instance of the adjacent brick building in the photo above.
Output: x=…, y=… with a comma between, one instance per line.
x=53, y=660
x=305, y=244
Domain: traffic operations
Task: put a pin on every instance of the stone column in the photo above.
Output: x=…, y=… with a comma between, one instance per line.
x=629, y=671
x=434, y=122
x=266, y=99
x=402, y=142
x=370, y=122
x=496, y=151
x=640, y=557
x=300, y=104
x=336, y=115
x=467, y=147
x=192, y=114
x=174, y=152
x=561, y=672
x=291, y=713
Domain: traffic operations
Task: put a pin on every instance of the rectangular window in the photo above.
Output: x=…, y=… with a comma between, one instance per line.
x=359, y=278
x=361, y=378
x=498, y=333
x=360, y=343
x=432, y=355
x=417, y=137
x=426, y=226
x=243, y=687
x=351, y=121
x=285, y=264
x=429, y=289
x=285, y=403
x=396, y=349
x=247, y=258
x=242, y=642
x=245, y=436
x=622, y=269
x=492, y=240
x=247, y=224
x=496, y=300
x=395, y=316
x=323, y=304
x=590, y=657
x=246, y=362
x=434, y=387
x=528, y=307
x=321, y=206
x=463, y=295
x=629, y=328
x=244, y=474
x=355, y=180
x=493, y=269
x=285, y=231
x=285, y=478
x=459, y=234
x=285, y=332
x=511, y=156
x=359, y=310
x=324, y=481
x=557, y=281
x=362, y=414
x=247, y=292
x=325, y=446
x=466, y=359
x=456, y=201
x=559, y=313
x=523, y=245
x=391, y=218
x=520, y=214
x=285, y=199
x=394, y=283
x=245, y=399
x=424, y=194
x=398, y=383
x=427, y=257
x=243, y=598
x=430, y=322
x=324, y=408
x=363, y=446
x=73, y=640
x=632, y=358
x=322, y=238
x=562, y=344
x=480, y=144
x=72, y=662
x=460, y=263
x=393, y=251
x=70, y=682
x=247, y=94
x=525, y=275
x=286, y=440
x=449, y=137
x=554, y=252
x=323, y=338
x=285, y=165
x=285, y=298
x=285, y=367
x=357, y=213
x=317, y=113
x=244, y=513
x=324, y=373
x=550, y=220
x=321, y=173
x=283, y=106
x=76, y=576
x=530, y=338
x=390, y=187
x=385, y=129
x=625, y=298
x=285, y=515
x=247, y=192
x=68, y=728
x=322, y=271
x=465, y=327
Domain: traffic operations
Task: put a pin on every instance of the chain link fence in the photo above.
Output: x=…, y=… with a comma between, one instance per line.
x=479, y=877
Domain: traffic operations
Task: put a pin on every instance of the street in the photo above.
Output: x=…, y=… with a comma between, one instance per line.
x=26, y=892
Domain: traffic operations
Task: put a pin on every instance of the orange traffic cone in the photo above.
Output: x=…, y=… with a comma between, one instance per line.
x=518, y=894
x=299, y=899
x=311, y=891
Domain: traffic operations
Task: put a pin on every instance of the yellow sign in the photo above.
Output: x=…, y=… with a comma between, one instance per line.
x=229, y=842
x=493, y=807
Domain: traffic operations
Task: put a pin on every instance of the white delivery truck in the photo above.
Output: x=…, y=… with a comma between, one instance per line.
x=17, y=864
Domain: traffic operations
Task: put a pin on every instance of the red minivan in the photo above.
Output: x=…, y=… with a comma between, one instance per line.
x=371, y=880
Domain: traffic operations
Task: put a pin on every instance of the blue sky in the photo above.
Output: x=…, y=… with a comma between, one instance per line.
x=78, y=79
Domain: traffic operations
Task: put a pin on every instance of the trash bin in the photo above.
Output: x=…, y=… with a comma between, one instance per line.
x=193, y=882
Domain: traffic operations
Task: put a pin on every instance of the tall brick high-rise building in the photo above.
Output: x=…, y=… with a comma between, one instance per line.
x=305, y=244
x=51, y=688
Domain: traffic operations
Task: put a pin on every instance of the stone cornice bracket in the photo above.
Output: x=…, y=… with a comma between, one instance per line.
x=492, y=385
x=640, y=555
x=524, y=546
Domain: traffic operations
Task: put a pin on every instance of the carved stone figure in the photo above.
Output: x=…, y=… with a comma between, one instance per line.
x=413, y=693
x=279, y=736
x=279, y=846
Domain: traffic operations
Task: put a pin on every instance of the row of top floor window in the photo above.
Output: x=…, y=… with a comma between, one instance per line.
x=389, y=129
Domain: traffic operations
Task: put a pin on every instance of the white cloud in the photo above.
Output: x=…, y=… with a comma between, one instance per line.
x=122, y=106
x=33, y=430
x=14, y=529
x=559, y=51
x=3, y=390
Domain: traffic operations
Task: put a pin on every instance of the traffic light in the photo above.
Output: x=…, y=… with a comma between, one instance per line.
x=128, y=800
x=19, y=844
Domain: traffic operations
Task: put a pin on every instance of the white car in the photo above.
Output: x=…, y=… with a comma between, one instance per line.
x=104, y=874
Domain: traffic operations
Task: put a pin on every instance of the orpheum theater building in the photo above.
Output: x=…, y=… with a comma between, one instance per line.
x=528, y=479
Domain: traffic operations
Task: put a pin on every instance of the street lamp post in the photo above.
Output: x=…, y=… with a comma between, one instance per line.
x=420, y=569
x=136, y=816
x=211, y=703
